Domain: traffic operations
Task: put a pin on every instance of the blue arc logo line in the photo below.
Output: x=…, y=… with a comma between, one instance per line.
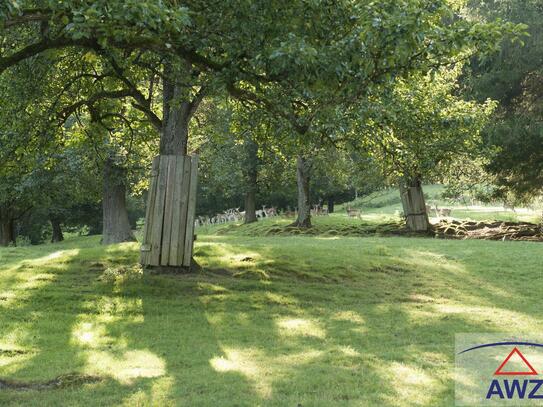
x=490, y=345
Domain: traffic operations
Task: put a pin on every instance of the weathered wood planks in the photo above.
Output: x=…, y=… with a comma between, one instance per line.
x=146, y=246
x=189, y=237
x=177, y=230
x=414, y=208
x=169, y=221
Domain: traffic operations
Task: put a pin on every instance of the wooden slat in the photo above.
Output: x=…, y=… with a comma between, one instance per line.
x=182, y=225
x=158, y=213
x=168, y=210
x=189, y=237
x=177, y=235
x=145, y=249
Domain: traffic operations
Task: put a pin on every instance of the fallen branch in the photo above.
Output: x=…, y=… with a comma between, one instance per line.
x=453, y=229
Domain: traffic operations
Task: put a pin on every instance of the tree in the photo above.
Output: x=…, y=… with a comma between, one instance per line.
x=367, y=48
x=513, y=77
x=421, y=129
x=263, y=52
x=94, y=110
x=21, y=156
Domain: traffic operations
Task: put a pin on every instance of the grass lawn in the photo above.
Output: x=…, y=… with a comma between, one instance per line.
x=387, y=204
x=282, y=320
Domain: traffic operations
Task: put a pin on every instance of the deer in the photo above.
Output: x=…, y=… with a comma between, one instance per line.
x=353, y=213
x=507, y=205
x=271, y=211
x=443, y=211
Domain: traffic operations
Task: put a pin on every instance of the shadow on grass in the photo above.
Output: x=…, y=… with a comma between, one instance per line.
x=270, y=321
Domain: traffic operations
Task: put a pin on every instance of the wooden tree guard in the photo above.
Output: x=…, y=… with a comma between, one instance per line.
x=414, y=208
x=168, y=236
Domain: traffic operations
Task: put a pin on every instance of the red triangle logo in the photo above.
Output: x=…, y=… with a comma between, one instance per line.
x=500, y=372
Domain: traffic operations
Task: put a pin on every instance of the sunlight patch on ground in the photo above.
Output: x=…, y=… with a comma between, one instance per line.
x=478, y=208
x=298, y=358
x=349, y=351
x=125, y=247
x=464, y=377
x=22, y=291
x=126, y=368
x=90, y=335
x=60, y=255
x=412, y=386
x=500, y=317
x=26, y=279
x=427, y=259
x=246, y=257
x=158, y=395
x=12, y=358
x=54, y=255
x=281, y=299
x=211, y=287
x=244, y=362
x=6, y=297
x=300, y=327
x=349, y=316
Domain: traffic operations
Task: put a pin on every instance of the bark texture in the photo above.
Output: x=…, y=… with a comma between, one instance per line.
x=178, y=110
x=175, y=124
x=414, y=206
x=303, y=169
x=7, y=232
x=330, y=205
x=250, y=206
x=250, y=169
x=57, y=230
x=116, y=227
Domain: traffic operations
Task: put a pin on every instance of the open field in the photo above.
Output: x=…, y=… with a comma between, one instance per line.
x=282, y=321
x=380, y=214
x=387, y=202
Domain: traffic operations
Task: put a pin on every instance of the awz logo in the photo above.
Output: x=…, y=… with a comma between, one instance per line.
x=513, y=388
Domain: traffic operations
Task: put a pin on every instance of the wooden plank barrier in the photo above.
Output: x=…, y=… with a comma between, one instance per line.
x=168, y=235
x=414, y=208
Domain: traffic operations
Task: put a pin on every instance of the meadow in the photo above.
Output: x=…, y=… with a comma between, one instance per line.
x=310, y=320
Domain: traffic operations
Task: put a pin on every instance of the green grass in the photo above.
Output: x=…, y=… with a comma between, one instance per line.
x=272, y=321
x=387, y=203
x=334, y=225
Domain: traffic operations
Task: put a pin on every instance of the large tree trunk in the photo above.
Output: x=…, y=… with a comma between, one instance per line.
x=177, y=113
x=116, y=227
x=7, y=231
x=414, y=206
x=175, y=122
x=303, y=168
x=57, y=230
x=251, y=173
x=330, y=205
x=250, y=206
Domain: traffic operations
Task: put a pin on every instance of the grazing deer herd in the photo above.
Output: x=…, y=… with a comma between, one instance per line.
x=235, y=215
x=319, y=210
